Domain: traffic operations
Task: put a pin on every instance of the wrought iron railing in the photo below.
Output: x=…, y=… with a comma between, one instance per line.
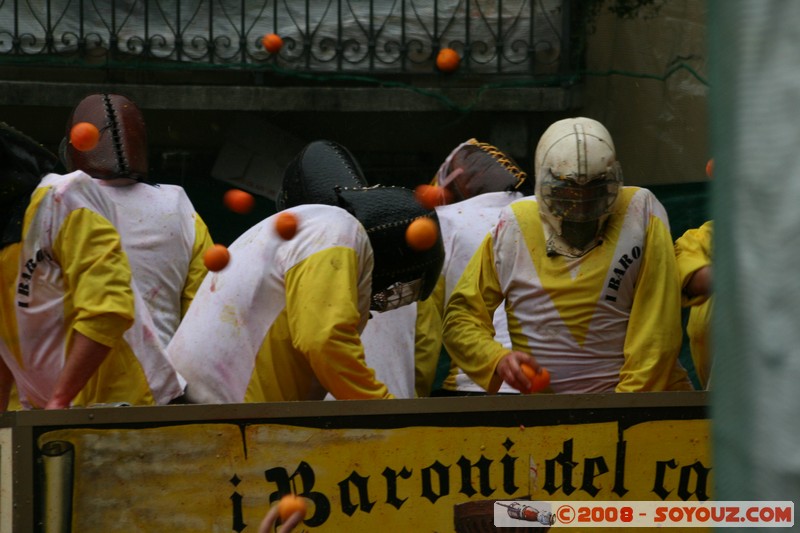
x=528, y=38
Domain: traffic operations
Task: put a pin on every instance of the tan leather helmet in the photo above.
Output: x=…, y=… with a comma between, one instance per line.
x=578, y=179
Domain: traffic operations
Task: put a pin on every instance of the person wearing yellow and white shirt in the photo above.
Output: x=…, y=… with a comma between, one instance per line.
x=95, y=341
x=282, y=320
x=164, y=237
x=476, y=181
x=23, y=162
x=122, y=252
x=587, y=273
x=693, y=253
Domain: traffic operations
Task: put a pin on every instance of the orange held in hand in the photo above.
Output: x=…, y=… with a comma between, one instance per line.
x=430, y=196
x=290, y=504
x=239, y=201
x=84, y=136
x=539, y=379
x=447, y=60
x=216, y=258
x=272, y=42
x=421, y=234
x=286, y=225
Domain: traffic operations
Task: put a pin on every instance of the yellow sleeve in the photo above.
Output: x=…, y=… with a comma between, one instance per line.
x=468, y=326
x=322, y=308
x=97, y=276
x=9, y=261
x=654, y=335
x=428, y=340
x=197, y=269
x=693, y=252
x=699, y=333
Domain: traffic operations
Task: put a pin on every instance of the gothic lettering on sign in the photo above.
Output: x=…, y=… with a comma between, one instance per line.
x=360, y=483
x=442, y=473
x=238, y=524
x=285, y=483
x=357, y=492
x=564, y=459
x=685, y=478
x=508, y=474
x=391, y=486
x=700, y=485
x=482, y=465
x=593, y=467
x=619, y=472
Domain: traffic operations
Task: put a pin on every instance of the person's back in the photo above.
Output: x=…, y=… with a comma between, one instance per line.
x=282, y=320
x=274, y=318
x=76, y=280
x=164, y=238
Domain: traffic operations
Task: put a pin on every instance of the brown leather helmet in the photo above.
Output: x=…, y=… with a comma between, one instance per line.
x=121, y=151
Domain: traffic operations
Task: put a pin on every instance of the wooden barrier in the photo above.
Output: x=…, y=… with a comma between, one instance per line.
x=394, y=465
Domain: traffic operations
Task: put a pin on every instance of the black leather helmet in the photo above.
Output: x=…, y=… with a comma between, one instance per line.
x=326, y=173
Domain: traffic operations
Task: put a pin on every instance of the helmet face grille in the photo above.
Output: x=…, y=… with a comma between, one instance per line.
x=396, y=295
x=386, y=212
x=566, y=199
x=578, y=180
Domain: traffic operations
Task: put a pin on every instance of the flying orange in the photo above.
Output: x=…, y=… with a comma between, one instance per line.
x=422, y=234
x=216, y=258
x=286, y=225
x=84, y=136
x=239, y=201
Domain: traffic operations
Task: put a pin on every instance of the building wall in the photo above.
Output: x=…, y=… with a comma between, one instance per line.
x=644, y=79
x=647, y=80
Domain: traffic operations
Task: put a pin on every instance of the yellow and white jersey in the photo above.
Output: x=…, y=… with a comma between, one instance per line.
x=9, y=339
x=464, y=225
x=390, y=341
x=165, y=240
x=606, y=321
x=74, y=275
x=693, y=251
x=282, y=320
x=389, y=344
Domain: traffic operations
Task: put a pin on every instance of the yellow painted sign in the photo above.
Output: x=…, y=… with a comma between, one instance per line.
x=218, y=477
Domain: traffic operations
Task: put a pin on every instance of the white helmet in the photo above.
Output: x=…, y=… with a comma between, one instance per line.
x=577, y=183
